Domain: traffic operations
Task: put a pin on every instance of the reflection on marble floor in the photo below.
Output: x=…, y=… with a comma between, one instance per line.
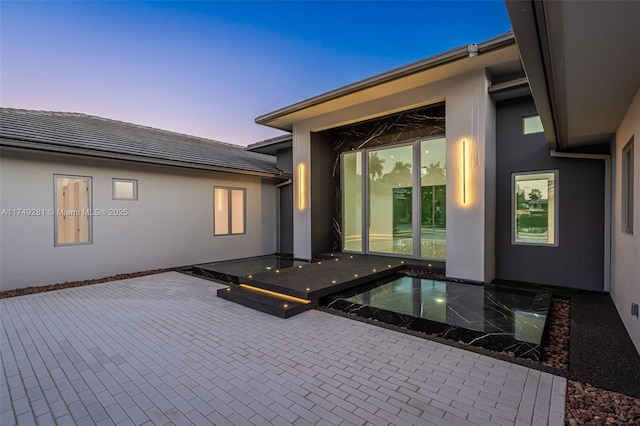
x=495, y=317
x=229, y=270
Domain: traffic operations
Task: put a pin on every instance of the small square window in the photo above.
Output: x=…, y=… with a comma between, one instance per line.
x=535, y=208
x=531, y=124
x=627, y=187
x=125, y=189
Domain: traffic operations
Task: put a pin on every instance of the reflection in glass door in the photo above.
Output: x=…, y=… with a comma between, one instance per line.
x=390, y=200
x=406, y=205
x=433, y=203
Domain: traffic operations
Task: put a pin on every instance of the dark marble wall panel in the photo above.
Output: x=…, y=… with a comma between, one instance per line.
x=384, y=131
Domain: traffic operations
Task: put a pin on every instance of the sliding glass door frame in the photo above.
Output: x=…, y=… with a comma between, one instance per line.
x=416, y=203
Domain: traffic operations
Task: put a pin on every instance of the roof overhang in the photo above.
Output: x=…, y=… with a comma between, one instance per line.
x=582, y=60
x=57, y=149
x=499, y=51
x=271, y=146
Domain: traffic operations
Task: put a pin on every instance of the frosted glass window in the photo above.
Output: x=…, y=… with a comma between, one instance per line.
x=237, y=211
x=532, y=124
x=535, y=210
x=228, y=211
x=125, y=189
x=73, y=222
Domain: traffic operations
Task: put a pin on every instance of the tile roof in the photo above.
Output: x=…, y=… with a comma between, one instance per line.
x=91, y=135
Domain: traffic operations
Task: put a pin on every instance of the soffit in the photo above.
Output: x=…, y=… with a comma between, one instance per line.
x=508, y=56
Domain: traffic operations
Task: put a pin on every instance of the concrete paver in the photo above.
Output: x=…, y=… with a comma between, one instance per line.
x=163, y=349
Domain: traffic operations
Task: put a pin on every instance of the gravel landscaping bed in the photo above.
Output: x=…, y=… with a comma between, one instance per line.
x=588, y=405
x=555, y=352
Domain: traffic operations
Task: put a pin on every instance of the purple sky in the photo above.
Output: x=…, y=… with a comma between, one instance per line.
x=210, y=68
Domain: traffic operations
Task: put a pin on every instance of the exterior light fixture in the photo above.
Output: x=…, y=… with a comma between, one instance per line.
x=285, y=306
x=333, y=281
x=355, y=275
x=465, y=172
x=302, y=186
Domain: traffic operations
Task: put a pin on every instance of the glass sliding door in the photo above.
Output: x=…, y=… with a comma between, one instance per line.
x=352, y=201
x=433, y=202
x=390, y=200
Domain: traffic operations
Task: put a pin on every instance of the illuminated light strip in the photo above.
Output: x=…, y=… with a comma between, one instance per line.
x=464, y=171
x=301, y=187
x=273, y=293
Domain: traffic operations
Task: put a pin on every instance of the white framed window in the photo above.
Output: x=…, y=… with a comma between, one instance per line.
x=535, y=208
x=125, y=189
x=72, y=219
x=627, y=187
x=229, y=211
x=531, y=124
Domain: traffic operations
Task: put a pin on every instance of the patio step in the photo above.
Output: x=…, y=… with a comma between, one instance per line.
x=278, y=304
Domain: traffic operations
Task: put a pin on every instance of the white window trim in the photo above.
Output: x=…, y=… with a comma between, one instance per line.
x=628, y=171
x=230, y=211
x=56, y=207
x=135, y=189
x=556, y=208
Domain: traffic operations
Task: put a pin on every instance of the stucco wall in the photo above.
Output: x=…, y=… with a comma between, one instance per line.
x=578, y=260
x=171, y=223
x=625, y=286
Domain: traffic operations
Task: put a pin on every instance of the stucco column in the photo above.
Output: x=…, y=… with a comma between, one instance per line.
x=470, y=116
x=301, y=192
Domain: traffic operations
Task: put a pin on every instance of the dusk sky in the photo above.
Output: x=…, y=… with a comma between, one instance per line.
x=210, y=68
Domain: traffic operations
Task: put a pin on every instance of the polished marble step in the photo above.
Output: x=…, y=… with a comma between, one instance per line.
x=280, y=305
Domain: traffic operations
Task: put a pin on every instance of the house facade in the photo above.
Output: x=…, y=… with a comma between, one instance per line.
x=505, y=160
x=511, y=159
x=85, y=197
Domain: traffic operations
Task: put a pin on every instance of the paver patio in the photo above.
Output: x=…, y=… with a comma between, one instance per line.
x=163, y=349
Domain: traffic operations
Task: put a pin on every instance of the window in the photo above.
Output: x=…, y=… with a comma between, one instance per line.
x=72, y=201
x=535, y=212
x=627, y=187
x=531, y=124
x=228, y=211
x=125, y=189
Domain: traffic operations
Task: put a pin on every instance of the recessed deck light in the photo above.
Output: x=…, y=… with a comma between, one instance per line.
x=299, y=266
x=440, y=300
x=228, y=288
x=355, y=275
x=333, y=281
x=337, y=260
x=277, y=271
x=285, y=306
x=373, y=270
x=307, y=289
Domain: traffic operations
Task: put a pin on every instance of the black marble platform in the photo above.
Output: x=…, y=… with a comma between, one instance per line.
x=331, y=273
x=499, y=318
x=234, y=271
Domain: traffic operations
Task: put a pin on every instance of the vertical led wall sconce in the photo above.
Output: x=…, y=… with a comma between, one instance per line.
x=464, y=171
x=302, y=186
